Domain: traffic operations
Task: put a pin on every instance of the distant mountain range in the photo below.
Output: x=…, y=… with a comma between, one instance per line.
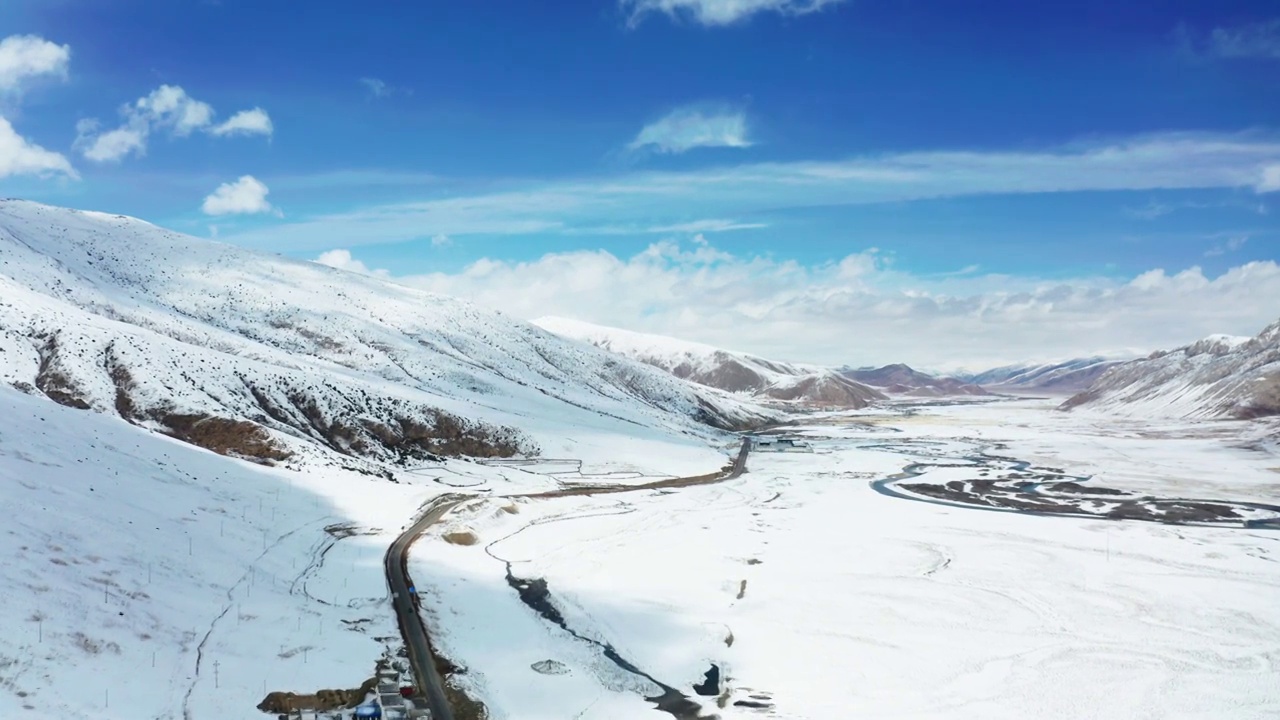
x=770, y=379
x=723, y=369
x=1220, y=376
x=1067, y=377
x=901, y=379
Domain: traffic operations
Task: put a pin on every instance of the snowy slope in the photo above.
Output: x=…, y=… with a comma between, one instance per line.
x=1219, y=376
x=146, y=578
x=210, y=343
x=723, y=369
x=1069, y=376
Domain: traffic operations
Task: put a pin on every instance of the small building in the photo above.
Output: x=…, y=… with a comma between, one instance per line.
x=780, y=444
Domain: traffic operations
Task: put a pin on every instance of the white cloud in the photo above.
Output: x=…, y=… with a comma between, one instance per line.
x=666, y=199
x=110, y=146
x=170, y=109
x=692, y=127
x=19, y=156
x=1260, y=40
x=718, y=12
x=169, y=106
x=245, y=196
x=441, y=241
x=342, y=260
x=861, y=310
x=23, y=57
x=245, y=122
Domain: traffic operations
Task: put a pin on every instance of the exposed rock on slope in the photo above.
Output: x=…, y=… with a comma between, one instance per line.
x=253, y=354
x=723, y=369
x=901, y=379
x=1220, y=376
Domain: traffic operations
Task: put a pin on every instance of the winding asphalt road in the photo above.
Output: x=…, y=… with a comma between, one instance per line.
x=412, y=629
x=416, y=640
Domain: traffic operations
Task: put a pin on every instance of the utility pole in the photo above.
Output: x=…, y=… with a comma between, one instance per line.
x=215, y=673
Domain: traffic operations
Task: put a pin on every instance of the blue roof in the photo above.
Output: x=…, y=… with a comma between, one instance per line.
x=368, y=711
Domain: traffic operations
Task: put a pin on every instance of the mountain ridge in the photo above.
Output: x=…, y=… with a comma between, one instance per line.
x=200, y=339
x=1216, y=377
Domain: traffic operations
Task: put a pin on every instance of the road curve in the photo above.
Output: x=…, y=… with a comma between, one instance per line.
x=421, y=655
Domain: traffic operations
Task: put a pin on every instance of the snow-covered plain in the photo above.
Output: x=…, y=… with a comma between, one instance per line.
x=820, y=598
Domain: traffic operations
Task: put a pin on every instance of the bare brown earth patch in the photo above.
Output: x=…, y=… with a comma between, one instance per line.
x=238, y=438
x=461, y=537
x=56, y=384
x=283, y=703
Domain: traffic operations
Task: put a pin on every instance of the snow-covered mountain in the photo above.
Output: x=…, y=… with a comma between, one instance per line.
x=902, y=379
x=1070, y=376
x=256, y=355
x=724, y=369
x=1219, y=376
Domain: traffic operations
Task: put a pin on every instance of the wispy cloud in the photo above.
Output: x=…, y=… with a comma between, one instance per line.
x=1155, y=209
x=1270, y=180
x=1150, y=211
x=378, y=88
x=788, y=310
x=245, y=196
x=717, y=12
x=705, y=226
x=170, y=109
x=1260, y=40
x=1227, y=245
x=692, y=127
x=25, y=57
x=657, y=199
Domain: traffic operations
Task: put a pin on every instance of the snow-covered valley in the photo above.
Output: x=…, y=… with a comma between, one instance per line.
x=816, y=597
x=205, y=453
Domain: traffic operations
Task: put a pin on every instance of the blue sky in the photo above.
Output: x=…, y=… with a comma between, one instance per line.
x=1032, y=145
